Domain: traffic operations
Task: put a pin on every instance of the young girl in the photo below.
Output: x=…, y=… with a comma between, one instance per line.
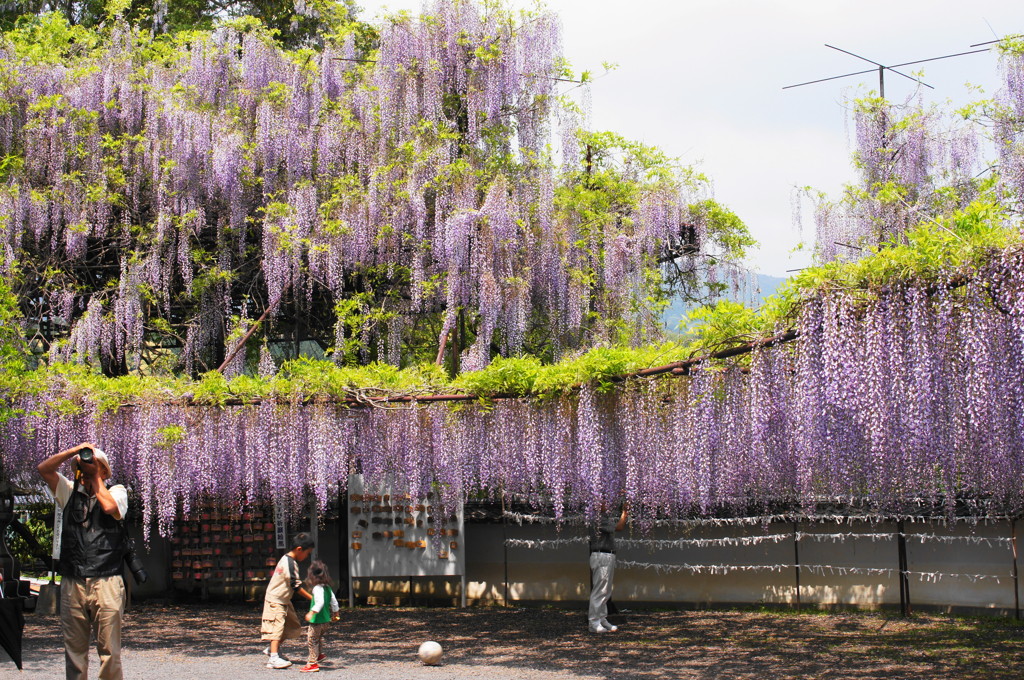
x=318, y=582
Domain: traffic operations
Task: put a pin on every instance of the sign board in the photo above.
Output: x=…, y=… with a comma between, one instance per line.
x=391, y=534
x=314, y=527
x=281, y=527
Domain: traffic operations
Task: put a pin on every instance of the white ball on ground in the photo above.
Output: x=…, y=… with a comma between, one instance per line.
x=430, y=653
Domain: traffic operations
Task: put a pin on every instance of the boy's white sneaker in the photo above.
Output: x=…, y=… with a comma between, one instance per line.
x=598, y=628
x=278, y=662
x=266, y=652
x=608, y=626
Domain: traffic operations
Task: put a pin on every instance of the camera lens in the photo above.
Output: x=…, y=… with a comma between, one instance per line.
x=85, y=455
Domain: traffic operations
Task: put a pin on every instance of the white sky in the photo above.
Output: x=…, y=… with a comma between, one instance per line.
x=703, y=80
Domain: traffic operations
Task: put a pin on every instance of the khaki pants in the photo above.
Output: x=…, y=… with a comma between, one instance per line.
x=85, y=605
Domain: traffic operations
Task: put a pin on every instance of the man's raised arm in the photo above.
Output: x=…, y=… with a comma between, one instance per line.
x=48, y=468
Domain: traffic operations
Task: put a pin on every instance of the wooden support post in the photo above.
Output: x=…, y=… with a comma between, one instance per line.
x=901, y=544
x=796, y=560
x=504, y=543
x=1016, y=580
x=343, y=547
x=314, y=525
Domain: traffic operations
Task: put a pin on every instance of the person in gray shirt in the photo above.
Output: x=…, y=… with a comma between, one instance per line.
x=602, y=569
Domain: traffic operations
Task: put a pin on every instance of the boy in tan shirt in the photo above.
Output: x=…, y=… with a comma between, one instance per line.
x=280, y=622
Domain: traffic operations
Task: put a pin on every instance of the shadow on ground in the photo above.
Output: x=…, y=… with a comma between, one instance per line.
x=650, y=644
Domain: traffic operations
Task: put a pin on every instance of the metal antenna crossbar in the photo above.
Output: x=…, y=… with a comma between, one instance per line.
x=989, y=42
x=882, y=68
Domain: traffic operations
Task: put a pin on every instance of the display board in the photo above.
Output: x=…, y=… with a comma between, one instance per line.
x=393, y=535
x=219, y=545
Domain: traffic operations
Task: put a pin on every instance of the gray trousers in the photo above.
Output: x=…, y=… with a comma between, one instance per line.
x=602, y=570
x=85, y=605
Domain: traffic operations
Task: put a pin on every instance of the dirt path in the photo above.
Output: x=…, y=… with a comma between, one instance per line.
x=220, y=642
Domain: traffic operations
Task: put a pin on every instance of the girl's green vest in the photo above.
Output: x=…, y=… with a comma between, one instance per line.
x=324, y=615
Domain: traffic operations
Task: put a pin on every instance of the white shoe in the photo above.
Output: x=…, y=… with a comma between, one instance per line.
x=278, y=662
x=599, y=629
x=266, y=652
x=608, y=626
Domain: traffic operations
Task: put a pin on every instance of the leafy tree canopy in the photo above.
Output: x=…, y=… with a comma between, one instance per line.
x=225, y=198
x=295, y=24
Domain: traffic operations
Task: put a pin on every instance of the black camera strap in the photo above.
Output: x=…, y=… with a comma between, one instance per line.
x=81, y=503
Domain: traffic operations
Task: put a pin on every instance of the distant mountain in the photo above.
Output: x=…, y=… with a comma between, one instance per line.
x=753, y=295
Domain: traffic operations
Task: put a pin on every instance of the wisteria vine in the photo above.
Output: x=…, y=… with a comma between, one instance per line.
x=905, y=401
x=212, y=171
x=916, y=164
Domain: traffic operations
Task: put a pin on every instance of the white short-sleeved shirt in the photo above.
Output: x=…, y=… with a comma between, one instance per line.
x=65, y=487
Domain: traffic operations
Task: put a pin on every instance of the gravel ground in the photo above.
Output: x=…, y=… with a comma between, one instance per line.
x=220, y=642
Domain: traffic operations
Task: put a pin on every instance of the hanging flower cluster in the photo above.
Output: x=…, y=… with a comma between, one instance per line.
x=915, y=164
x=204, y=172
x=905, y=399
x=1008, y=123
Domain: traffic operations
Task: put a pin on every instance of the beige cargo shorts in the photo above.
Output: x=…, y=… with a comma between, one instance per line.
x=280, y=622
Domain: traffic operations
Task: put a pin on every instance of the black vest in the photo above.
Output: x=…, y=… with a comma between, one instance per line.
x=93, y=543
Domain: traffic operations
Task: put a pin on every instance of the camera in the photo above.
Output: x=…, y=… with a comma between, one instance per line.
x=135, y=564
x=86, y=455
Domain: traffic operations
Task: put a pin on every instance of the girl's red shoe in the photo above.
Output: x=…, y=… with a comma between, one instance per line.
x=309, y=668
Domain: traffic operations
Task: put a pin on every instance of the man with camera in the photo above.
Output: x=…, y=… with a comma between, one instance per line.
x=94, y=542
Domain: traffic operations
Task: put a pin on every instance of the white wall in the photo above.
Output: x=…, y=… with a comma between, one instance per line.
x=561, y=573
